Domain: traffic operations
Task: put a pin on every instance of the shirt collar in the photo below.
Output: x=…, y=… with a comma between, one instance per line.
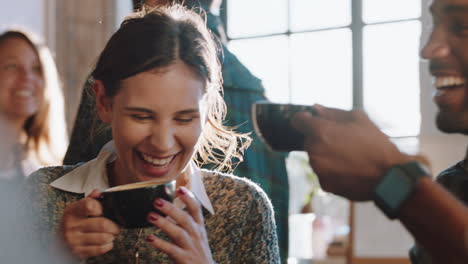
x=93, y=175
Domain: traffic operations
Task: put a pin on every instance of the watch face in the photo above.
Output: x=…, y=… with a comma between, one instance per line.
x=396, y=186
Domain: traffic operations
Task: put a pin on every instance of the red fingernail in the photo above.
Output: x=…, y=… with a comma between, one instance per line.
x=153, y=217
x=150, y=238
x=182, y=191
x=158, y=203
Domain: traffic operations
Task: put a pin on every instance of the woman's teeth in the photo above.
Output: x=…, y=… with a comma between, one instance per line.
x=449, y=81
x=157, y=162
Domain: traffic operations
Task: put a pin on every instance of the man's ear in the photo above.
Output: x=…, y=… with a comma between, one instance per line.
x=103, y=102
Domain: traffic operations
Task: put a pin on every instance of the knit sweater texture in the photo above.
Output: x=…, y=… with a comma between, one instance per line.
x=242, y=230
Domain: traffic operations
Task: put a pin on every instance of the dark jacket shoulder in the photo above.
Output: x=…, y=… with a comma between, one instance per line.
x=455, y=180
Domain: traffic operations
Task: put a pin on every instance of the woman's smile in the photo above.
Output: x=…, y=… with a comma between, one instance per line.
x=155, y=167
x=156, y=123
x=157, y=162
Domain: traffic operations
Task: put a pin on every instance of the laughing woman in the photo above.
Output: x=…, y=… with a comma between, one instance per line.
x=32, y=122
x=157, y=85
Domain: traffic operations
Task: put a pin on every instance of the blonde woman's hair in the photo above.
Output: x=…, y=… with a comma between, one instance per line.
x=46, y=138
x=154, y=39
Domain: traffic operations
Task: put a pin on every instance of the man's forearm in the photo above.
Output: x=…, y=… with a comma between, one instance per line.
x=438, y=221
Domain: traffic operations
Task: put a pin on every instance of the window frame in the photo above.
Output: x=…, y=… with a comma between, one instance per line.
x=356, y=27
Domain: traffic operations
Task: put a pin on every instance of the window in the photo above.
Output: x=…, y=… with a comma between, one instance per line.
x=339, y=53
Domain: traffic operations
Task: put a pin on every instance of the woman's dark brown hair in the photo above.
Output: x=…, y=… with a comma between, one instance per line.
x=137, y=4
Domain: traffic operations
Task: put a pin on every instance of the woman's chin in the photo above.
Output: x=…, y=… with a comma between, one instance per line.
x=163, y=176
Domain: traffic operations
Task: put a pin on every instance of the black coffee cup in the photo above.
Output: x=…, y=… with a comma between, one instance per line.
x=272, y=124
x=129, y=205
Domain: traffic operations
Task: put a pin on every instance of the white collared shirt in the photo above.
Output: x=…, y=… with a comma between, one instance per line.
x=93, y=175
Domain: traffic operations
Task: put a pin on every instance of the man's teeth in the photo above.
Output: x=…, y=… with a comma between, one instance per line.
x=23, y=93
x=155, y=161
x=447, y=81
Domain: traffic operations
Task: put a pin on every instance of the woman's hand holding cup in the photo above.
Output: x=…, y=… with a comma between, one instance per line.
x=186, y=230
x=85, y=231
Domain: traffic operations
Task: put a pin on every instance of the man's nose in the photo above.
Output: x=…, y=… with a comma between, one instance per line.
x=437, y=47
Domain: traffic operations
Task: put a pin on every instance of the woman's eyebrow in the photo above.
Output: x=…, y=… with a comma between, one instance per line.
x=145, y=110
x=138, y=109
x=189, y=111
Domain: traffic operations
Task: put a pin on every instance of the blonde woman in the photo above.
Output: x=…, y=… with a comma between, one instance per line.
x=32, y=120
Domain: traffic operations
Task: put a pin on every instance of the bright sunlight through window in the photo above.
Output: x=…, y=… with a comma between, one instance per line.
x=334, y=53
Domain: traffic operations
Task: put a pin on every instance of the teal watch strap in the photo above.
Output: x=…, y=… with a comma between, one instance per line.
x=396, y=187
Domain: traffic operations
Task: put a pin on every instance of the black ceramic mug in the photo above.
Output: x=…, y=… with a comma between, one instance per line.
x=272, y=124
x=129, y=205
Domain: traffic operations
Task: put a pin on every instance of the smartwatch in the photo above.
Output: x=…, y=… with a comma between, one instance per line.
x=397, y=186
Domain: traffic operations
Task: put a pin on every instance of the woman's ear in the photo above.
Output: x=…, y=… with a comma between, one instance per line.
x=103, y=102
